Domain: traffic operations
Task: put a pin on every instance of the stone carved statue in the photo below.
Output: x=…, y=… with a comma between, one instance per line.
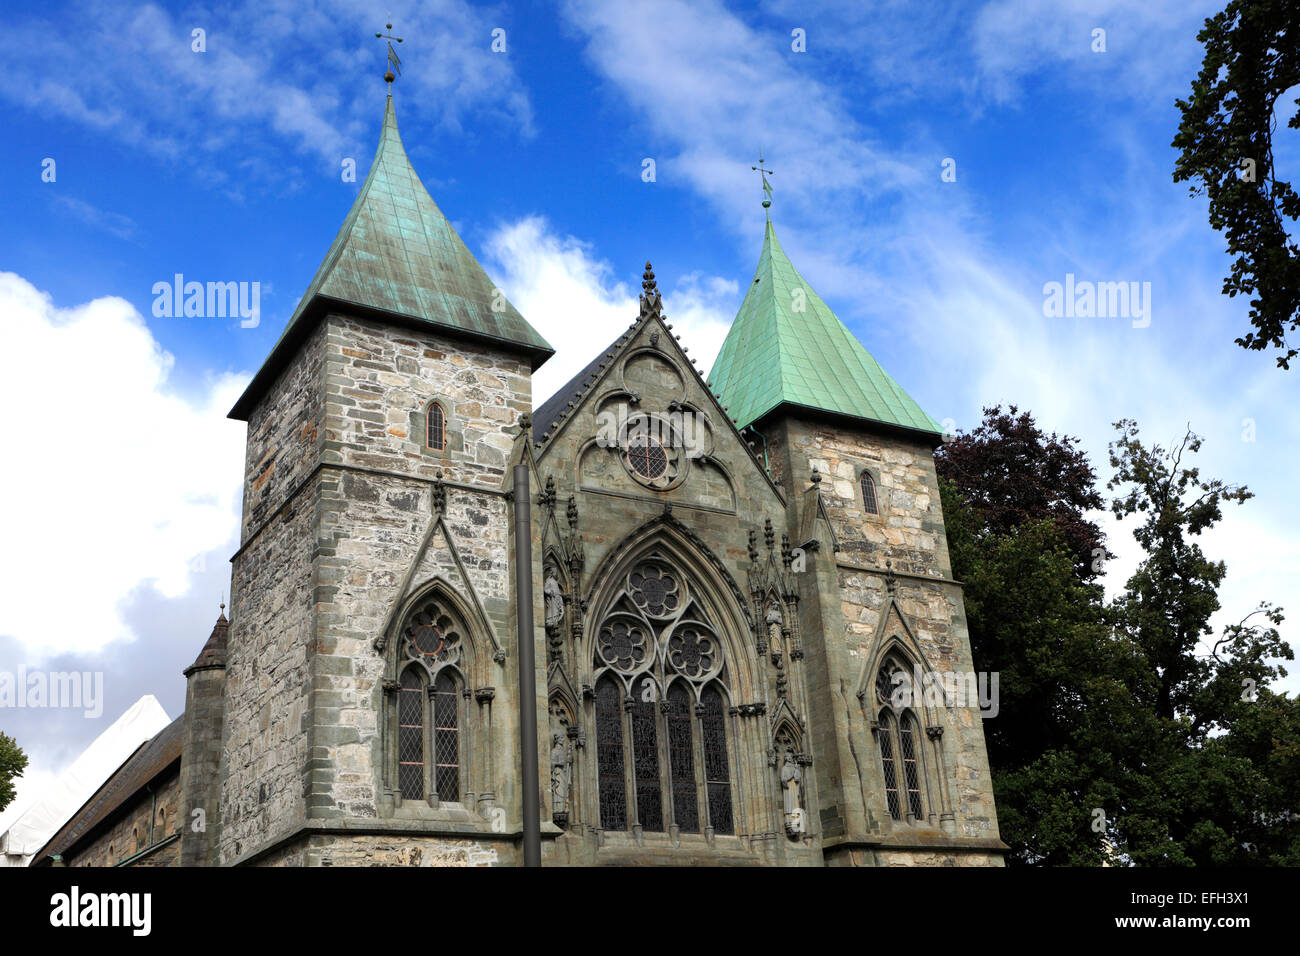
x=791, y=778
x=554, y=599
x=773, y=621
x=561, y=779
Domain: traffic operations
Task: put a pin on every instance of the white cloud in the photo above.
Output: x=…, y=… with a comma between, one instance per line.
x=113, y=481
x=578, y=305
x=270, y=70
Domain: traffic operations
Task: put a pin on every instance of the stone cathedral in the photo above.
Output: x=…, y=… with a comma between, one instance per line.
x=734, y=575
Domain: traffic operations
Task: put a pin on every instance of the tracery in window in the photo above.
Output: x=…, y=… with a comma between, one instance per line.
x=430, y=708
x=897, y=736
x=656, y=634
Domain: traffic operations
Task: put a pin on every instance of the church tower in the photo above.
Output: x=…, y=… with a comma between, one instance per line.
x=897, y=740
x=371, y=599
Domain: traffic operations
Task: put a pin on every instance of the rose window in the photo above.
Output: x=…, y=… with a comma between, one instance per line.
x=692, y=652
x=623, y=645
x=431, y=633
x=654, y=590
x=647, y=457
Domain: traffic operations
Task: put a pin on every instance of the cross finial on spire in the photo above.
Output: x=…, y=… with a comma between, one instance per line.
x=767, y=187
x=394, y=62
x=223, y=604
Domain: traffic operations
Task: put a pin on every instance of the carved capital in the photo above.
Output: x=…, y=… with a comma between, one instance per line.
x=499, y=656
x=391, y=686
x=934, y=732
x=485, y=694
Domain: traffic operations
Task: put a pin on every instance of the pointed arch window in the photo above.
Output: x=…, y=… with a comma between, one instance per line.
x=869, y=504
x=410, y=735
x=436, y=427
x=681, y=759
x=898, y=737
x=611, y=782
x=717, y=771
x=656, y=634
x=446, y=735
x=429, y=711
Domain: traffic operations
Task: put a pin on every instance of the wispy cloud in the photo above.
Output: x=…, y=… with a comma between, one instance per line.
x=268, y=75
x=115, y=224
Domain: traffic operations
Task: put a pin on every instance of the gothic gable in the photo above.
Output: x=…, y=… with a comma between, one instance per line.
x=640, y=421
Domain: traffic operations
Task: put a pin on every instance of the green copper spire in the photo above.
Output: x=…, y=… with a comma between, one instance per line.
x=397, y=259
x=786, y=347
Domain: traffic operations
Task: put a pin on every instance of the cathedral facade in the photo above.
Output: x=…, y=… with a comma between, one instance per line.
x=741, y=586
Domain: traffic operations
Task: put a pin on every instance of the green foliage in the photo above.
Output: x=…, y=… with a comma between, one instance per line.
x=1127, y=732
x=12, y=763
x=1252, y=58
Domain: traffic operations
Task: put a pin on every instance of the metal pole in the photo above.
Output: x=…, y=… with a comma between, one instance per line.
x=527, y=670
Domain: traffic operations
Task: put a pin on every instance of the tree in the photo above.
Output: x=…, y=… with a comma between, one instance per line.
x=12, y=763
x=1128, y=732
x=1011, y=472
x=1220, y=766
x=1252, y=58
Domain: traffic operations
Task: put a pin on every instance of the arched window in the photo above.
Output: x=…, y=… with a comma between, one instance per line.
x=410, y=735
x=437, y=427
x=717, y=772
x=645, y=764
x=446, y=736
x=869, y=494
x=428, y=715
x=656, y=634
x=898, y=737
x=886, y=738
x=612, y=786
x=681, y=760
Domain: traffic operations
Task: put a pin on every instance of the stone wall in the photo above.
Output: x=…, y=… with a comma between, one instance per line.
x=130, y=832
x=908, y=534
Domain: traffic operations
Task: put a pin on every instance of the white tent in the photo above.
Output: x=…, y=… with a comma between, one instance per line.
x=29, y=828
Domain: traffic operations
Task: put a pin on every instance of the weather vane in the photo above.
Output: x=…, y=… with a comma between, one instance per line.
x=767, y=187
x=394, y=61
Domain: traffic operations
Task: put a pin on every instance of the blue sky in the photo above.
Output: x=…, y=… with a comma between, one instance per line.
x=225, y=165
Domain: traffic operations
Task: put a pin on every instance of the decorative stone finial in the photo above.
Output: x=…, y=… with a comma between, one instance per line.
x=651, y=304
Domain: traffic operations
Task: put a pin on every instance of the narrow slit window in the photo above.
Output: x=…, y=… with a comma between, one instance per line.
x=437, y=438
x=446, y=738
x=906, y=738
x=886, y=737
x=410, y=736
x=716, y=769
x=869, y=494
x=609, y=756
x=681, y=754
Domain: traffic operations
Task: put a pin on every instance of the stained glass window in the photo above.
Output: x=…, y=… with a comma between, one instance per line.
x=609, y=756
x=410, y=736
x=437, y=422
x=446, y=737
x=681, y=760
x=645, y=764
x=717, y=772
x=654, y=628
x=869, y=494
